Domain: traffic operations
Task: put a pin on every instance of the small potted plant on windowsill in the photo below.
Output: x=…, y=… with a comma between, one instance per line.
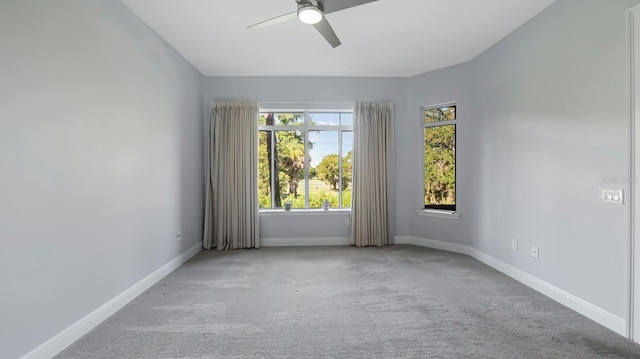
x=287, y=205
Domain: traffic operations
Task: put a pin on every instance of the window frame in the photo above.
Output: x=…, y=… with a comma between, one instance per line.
x=306, y=128
x=441, y=211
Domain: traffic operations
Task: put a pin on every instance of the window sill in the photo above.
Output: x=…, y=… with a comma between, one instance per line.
x=438, y=213
x=304, y=212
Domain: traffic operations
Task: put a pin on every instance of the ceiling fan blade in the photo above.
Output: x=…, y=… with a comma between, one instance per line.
x=330, y=6
x=275, y=20
x=325, y=29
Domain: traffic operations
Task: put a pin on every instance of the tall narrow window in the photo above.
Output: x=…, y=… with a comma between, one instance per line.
x=440, y=158
x=305, y=158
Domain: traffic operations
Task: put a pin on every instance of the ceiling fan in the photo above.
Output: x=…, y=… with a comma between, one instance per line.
x=313, y=12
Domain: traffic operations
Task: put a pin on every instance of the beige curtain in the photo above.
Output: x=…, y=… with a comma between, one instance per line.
x=231, y=208
x=373, y=200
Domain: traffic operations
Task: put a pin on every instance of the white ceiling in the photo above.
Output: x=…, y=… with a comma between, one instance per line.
x=383, y=38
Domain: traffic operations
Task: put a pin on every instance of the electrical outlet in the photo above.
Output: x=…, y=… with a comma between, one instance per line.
x=514, y=244
x=179, y=235
x=535, y=252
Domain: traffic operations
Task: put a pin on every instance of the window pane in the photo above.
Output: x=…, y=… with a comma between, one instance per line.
x=290, y=168
x=347, y=172
x=440, y=114
x=346, y=119
x=289, y=119
x=324, y=119
x=281, y=119
x=264, y=169
x=324, y=163
x=281, y=161
x=440, y=167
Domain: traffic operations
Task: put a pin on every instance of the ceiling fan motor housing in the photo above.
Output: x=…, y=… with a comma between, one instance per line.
x=309, y=13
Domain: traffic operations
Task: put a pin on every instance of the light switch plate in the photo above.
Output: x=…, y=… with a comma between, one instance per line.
x=615, y=196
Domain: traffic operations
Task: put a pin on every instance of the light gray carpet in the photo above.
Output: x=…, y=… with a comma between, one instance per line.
x=345, y=302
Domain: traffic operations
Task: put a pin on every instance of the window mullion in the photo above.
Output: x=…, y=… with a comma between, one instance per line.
x=306, y=161
x=273, y=168
x=340, y=169
x=438, y=124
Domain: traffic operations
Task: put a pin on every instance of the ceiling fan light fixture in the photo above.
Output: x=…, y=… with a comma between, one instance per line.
x=310, y=14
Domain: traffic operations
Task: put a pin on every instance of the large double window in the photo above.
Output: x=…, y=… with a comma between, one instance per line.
x=305, y=158
x=440, y=157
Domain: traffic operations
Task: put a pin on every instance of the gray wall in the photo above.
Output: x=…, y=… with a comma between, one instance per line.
x=544, y=112
x=554, y=124
x=316, y=89
x=453, y=84
x=101, y=158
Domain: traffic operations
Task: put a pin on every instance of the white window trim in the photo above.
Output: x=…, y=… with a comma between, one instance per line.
x=305, y=212
x=438, y=213
x=301, y=106
x=306, y=108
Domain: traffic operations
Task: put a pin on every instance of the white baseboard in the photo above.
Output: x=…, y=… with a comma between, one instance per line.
x=445, y=246
x=76, y=330
x=583, y=307
x=296, y=242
